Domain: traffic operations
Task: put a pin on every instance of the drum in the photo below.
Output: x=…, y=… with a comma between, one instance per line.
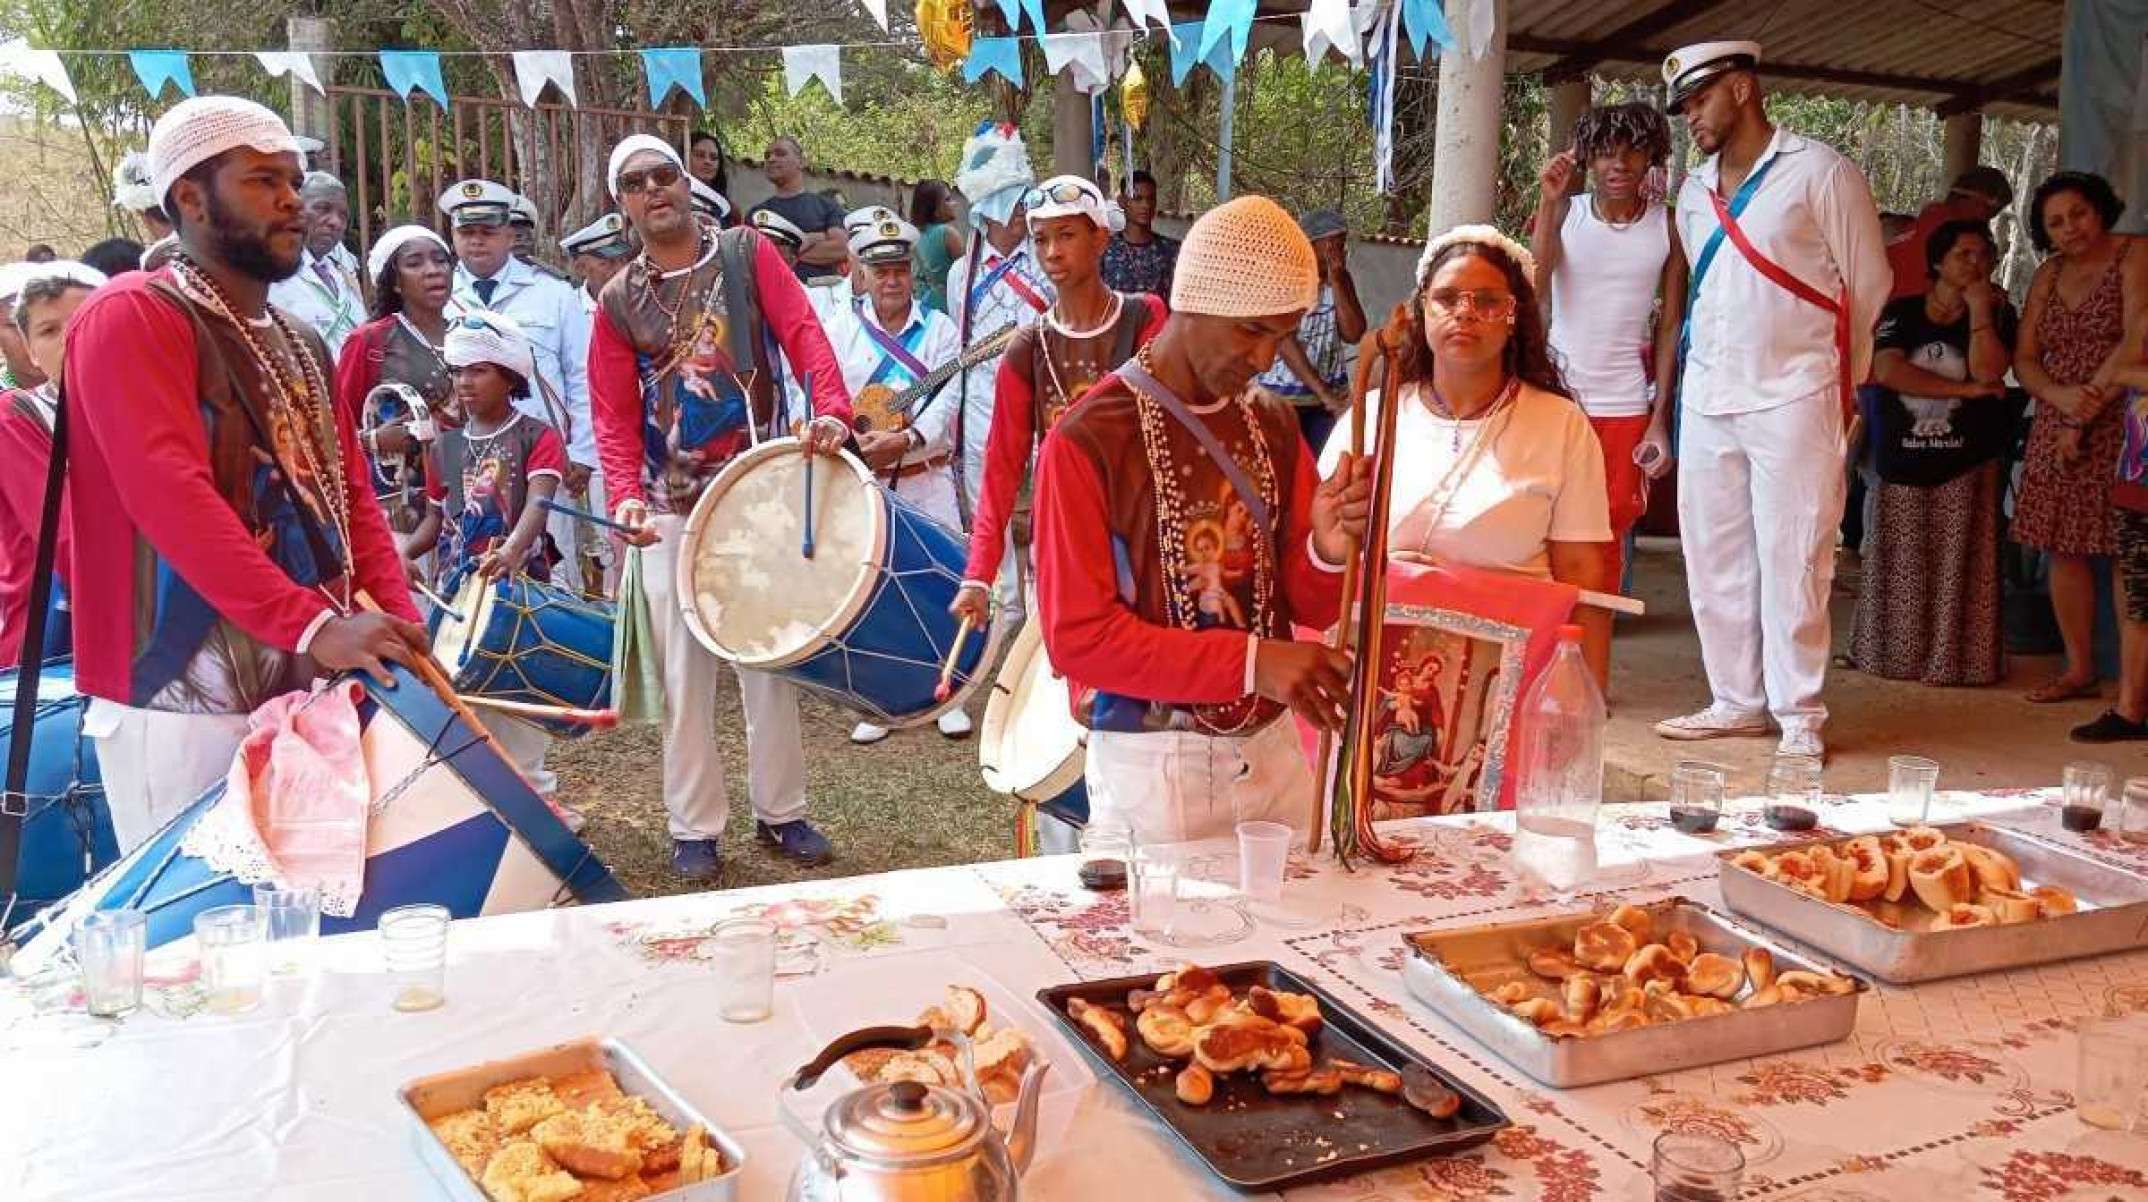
x=67, y=834
x=1030, y=746
x=863, y=622
x=451, y=824
x=523, y=640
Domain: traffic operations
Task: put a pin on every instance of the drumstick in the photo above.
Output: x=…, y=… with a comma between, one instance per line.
x=1339, y=638
x=807, y=548
x=439, y=602
x=604, y=719
x=941, y=691
x=430, y=671
x=586, y=516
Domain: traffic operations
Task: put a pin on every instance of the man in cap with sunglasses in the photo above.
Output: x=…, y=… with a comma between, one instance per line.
x=1789, y=274
x=679, y=369
x=226, y=545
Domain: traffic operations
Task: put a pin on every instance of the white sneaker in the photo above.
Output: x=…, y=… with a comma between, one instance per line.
x=955, y=724
x=1715, y=722
x=1802, y=738
x=865, y=734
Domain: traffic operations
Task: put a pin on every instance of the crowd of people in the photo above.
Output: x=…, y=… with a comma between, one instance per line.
x=282, y=454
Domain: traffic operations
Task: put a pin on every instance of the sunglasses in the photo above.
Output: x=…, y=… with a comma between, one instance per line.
x=1483, y=302
x=648, y=180
x=1065, y=192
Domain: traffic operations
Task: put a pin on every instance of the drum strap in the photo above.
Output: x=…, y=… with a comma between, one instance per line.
x=742, y=324
x=14, y=800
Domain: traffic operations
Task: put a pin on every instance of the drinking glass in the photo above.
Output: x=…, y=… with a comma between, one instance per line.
x=1263, y=856
x=1695, y=1167
x=1910, y=780
x=1795, y=783
x=231, y=941
x=109, y=944
x=293, y=918
x=1696, y=797
x=1105, y=849
x=742, y=952
x=2111, y=1090
x=2133, y=811
x=413, y=942
x=2086, y=787
x=1154, y=901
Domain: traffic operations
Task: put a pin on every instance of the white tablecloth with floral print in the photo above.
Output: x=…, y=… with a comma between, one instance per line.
x=1958, y=1089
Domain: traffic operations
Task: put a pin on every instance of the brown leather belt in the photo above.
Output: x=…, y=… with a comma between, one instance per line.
x=907, y=470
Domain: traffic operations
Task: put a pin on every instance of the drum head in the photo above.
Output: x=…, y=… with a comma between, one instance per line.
x=456, y=635
x=1030, y=747
x=750, y=594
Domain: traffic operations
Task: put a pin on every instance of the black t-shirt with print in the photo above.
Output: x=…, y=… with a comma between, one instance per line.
x=1926, y=441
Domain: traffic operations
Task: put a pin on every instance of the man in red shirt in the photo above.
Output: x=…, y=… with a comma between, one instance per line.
x=1980, y=194
x=661, y=443
x=1182, y=532
x=225, y=544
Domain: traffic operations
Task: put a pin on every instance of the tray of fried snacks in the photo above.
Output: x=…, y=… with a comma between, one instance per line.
x=1268, y=1079
x=1577, y=999
x=1939, y=901
x=586, y=1121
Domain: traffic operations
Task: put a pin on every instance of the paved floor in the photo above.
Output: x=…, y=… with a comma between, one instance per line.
x=1981, y=737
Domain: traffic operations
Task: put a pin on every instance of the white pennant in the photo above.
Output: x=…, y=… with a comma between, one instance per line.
x=1483, y=19
x=1147, y=12
x=535, y=68
x=1117, y=45
x=293, y=63
x=804, y=63
x=20, y=58
x=1079, y=54
x=879, y=10
x=1330, y=24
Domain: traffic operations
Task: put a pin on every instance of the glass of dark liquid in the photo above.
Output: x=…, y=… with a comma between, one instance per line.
x=1696, y=797
x=1696, y=1167
x=2087, y=786
x=1106, y=849
x=1794, y=792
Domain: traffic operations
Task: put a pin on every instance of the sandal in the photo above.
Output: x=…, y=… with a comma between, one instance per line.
x=2058, y=689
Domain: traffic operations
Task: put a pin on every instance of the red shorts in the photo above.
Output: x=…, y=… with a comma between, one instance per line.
x=1624, y=480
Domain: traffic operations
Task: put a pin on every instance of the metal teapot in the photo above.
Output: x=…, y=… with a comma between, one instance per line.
x=890, y=1142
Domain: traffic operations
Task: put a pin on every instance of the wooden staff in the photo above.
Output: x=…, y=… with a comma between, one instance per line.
x=1342, y=637
x=1371, y=620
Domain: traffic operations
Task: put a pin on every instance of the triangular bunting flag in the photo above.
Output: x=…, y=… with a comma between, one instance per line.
x=879, y=11
x=1117, y=44
x=1483, y=20
x=1003, y=55
x=1185, y=53
x=536, y=68
x=21, y=59
x=414, y=71
x=803, y=64
x=1079, y=54
x=1328, y=25
x=1228, y=20
x=1144, y=13
x=1423, y=21
x=671, y=67
x=295, y=64
x=1013, y=10
x=157, y=68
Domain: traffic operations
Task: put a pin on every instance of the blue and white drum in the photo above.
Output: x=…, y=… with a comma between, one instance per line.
x=1029, y=745
x=451, y=823
x=863, y=622
x=67, y=833
x=519, y=639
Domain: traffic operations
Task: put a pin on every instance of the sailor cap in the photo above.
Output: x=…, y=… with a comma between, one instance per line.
x=888, y=240
x=606, y=237
x=1689, y=69
x=779, y=228
x=478, y=202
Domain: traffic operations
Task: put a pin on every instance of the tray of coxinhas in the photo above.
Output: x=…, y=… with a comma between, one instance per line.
x=1939, y=901
x=1577, y=999
x=1268, y=1079
x=586, y=1121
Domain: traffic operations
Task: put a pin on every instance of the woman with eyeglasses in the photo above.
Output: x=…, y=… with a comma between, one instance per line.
x=1497, y=466
x=412, y=277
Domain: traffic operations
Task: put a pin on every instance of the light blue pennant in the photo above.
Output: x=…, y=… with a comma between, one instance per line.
x=671, y=67
x=414, y=70
x=158, y=68
x=1422, y=20
x=1186, y=52
x=1227, y=19
x=1003, y=55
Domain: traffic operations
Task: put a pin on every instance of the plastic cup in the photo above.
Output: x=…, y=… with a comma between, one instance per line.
x=742, y=952
x=231, y=940
x=1696, y=1167
x=2111, y=1088
x=293, y=919
x=413, y=942
x=1910, y=780
x=109, y=944
x=1263, y=855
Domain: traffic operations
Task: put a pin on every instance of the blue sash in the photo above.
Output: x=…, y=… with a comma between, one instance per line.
x=894, y=352
x=1706, y=258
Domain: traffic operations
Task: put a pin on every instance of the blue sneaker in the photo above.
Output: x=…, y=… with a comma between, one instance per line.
x=795, y=840
x=697, y=859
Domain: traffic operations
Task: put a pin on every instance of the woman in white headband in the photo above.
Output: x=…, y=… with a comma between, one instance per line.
x=412, y=276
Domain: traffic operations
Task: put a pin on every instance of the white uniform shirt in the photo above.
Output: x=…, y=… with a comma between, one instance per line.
x=552, y=314
x=1001, y=304
x=1753, y=345
x=1603, y=305
x=328, y=300
x=860, y=357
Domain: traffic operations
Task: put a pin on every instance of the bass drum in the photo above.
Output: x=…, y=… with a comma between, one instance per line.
x=67, y=834
x=520, y=639
x=1030, y=746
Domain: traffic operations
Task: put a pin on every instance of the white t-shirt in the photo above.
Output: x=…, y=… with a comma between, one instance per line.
x=1603, y=303
x=1537, y=478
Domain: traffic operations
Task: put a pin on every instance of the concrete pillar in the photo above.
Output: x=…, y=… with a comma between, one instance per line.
x=1073, y=133
x=1226, y=135
x=1964, y=139
x=1569, y=99
x=309, y=109
x=1465, y=147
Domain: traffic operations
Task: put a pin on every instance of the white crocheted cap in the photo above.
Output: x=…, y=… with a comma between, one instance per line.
x=389, y=244
x=995, y=170
x=1476, y=235
x=482, y=336
x=196, y=130
x=1245, y=258
x=632, y=145
x=130, y=183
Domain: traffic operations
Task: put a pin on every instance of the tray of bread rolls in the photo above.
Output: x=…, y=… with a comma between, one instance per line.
x=1928, y=902
x=1579, y=999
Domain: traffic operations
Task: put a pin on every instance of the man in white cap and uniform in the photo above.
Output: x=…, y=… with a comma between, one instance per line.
x=1180, y=647
x=597, y=252
x=1789, y=274
x=323, y=292
x=672, y=318
x=214, y=566
x=131, y=192
x=489, y=276
x=886, y=342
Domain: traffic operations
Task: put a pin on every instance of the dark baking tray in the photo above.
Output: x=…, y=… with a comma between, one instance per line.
x=1254, y=1141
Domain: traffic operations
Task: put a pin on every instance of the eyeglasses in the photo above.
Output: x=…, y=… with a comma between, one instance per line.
x=648, y=180
x=1484, y=302
x=1065, y=192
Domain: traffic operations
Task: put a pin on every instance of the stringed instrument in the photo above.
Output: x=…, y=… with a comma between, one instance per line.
x=879, y=407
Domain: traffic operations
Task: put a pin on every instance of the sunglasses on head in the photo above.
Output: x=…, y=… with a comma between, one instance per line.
x=648, y=179
x=1063, y=193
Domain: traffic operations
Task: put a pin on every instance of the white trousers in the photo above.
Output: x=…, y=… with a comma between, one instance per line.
x=1171, y=786
x=1760, y=498
x=693, y=770
x=156, y=762
x=578, y=540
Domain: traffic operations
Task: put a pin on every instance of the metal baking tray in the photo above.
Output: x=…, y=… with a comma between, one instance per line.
x=2113, y=915
x=463, y=1088
x=1255, y=1141
x=1450, y=971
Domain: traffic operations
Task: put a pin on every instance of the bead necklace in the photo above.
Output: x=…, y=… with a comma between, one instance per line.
x=1062, y=394
x=1171, y=519
x=1443, y=409
x=295, y=401
x=1597, y=211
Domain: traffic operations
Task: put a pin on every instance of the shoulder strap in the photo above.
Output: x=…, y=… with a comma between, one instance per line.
x=1255, y=504
x=1133, y=319
x=743, y=329
x=14, y=800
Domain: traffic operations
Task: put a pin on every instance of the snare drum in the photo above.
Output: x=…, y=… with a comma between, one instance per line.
x=67, y=834
x=524, y=640
x=864, y=622
x=1030, y=746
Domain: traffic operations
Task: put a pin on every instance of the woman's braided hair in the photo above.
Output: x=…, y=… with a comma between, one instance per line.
x=1604, y=129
